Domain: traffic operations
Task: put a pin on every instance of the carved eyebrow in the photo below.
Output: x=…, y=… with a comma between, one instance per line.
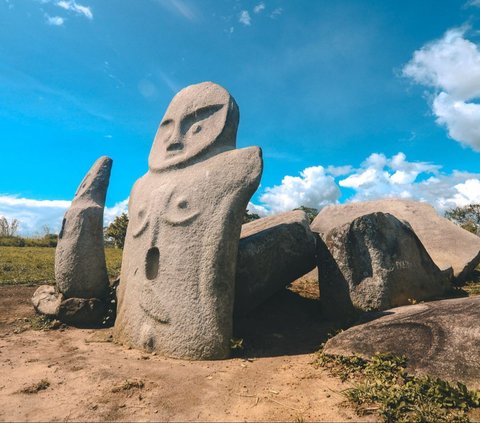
x=199, y=115
x=166, y=122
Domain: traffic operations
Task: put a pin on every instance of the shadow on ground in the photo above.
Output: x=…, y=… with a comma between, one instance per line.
x=287, y=324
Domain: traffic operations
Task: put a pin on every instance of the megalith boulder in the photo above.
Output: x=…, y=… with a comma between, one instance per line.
x=273, y=252
x=80, y=268
x=376, y=263
x=439, y=338
x=177, y=280
x=449, y=246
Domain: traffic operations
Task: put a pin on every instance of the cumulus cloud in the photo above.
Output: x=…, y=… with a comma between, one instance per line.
x=276, y=13
x=74, y=7
x=54, y=20
x=382, y=177
x=377, y=177
x=111, y=213
x=245, y=18
x=257, y=209
x=313, y=188
x=33, y=215
x=451, y=66
x=259, y=8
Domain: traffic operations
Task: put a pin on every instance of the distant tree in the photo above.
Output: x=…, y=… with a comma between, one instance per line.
x=8, y=228
x=117, y=230
x=250, y=217
x=309, y=211
x=468, y=217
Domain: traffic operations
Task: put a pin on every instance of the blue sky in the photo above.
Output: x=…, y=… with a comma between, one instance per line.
x=349, y=100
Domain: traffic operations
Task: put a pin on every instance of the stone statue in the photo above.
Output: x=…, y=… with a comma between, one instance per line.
x=80, y=269
x=178, y=272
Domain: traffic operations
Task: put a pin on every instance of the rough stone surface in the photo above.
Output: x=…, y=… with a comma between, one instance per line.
x=177, y=280
x=440, y=338
x=80, y=269
x=273, y=252
x=82, y=311
x=376, y=262
x=46, y=300
x=448, y=245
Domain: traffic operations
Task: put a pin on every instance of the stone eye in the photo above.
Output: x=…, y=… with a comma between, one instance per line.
x=196, y=128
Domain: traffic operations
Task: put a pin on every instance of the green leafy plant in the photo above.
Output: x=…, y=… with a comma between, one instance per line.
x=382, y=385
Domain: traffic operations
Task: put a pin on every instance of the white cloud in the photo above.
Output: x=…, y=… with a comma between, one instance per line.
x=382, y=177
x=468, y=192
x=451, y=66
x=245, y=18
x=257, y=209
x=73, y=6
x=259, y=8
x=33, y=215
x=461, y=119
x=110, y=213
x=377, y=177
x=55, y=20
x=313, y=188
x=276, y=13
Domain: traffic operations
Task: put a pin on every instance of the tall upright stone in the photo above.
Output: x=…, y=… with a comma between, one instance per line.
x=80, y=269
x=178, y=272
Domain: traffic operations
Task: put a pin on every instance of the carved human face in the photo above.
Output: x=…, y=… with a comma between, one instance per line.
x=199, y=116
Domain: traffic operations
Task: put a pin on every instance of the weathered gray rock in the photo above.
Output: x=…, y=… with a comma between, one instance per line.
x=439, y=338
x=80, y=269
x=273, y=252
x=46, y=300
x=448, y=245
x=82, y=311
x=377, y=262
x=177, y=280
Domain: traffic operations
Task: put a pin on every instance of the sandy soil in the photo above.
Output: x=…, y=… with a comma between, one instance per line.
x=85, y=377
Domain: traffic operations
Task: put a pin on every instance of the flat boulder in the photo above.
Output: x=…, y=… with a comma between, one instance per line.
x=273, y=252
x=440, y=338
x=375, y=262
x=448, y=245
x=46, y=300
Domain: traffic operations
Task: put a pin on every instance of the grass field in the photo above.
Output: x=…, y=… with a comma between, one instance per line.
x=23, y=265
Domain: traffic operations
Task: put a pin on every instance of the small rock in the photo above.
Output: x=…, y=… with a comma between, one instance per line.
x=82, y=311
x=46, y=300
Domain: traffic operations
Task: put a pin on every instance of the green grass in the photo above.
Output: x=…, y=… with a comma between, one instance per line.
x=382, y=386
x=25, y=265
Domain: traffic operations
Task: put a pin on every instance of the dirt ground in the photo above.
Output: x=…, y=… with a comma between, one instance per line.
x=71, y=374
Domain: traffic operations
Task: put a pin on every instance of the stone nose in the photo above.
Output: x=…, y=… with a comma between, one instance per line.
x=174, y=141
